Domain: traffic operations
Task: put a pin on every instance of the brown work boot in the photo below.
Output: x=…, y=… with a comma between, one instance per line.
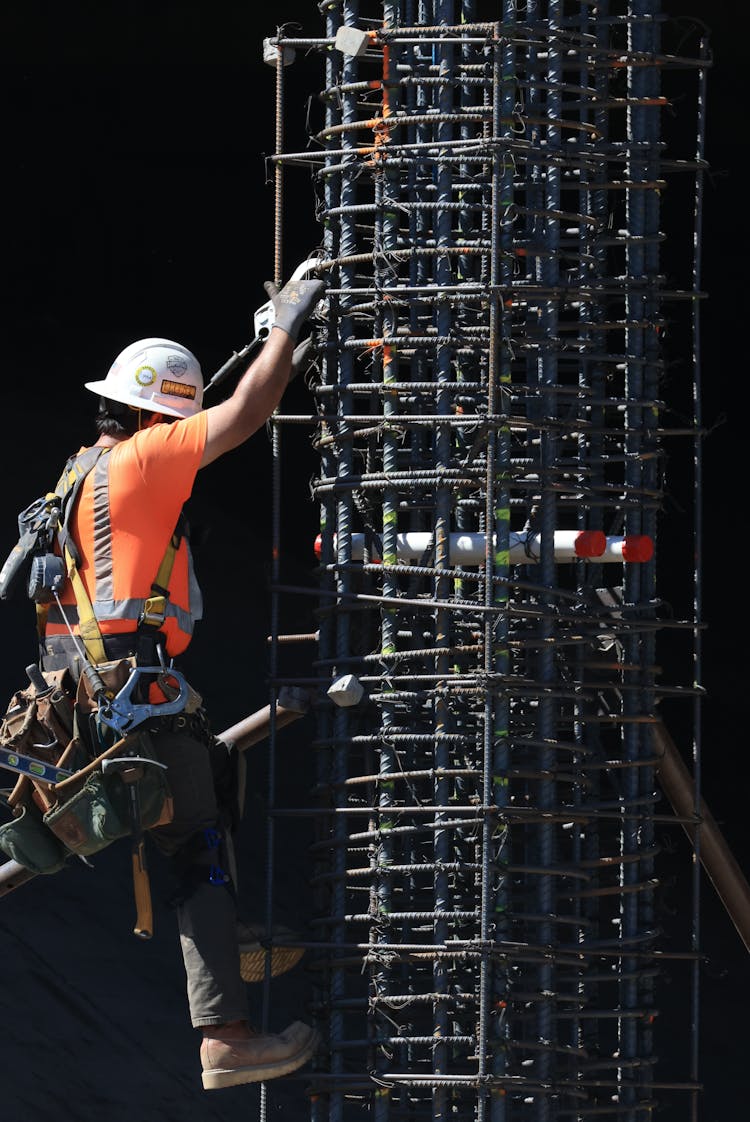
x=235, y=1053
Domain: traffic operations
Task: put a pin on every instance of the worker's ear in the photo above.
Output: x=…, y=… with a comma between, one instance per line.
x=150, y=419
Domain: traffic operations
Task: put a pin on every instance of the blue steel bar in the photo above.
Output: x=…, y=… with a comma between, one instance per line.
x=486, y=870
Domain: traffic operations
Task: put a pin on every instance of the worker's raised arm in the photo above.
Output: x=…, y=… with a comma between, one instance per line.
x=260, y=388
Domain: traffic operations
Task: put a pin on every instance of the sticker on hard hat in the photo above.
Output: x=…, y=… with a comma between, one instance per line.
x=145, y=375
x=177, y=389
x=176, y=365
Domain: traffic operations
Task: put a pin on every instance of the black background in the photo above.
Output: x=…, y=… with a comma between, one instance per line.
x=137, y=202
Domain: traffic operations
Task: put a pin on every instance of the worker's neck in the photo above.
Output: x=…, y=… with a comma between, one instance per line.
x=106, y=441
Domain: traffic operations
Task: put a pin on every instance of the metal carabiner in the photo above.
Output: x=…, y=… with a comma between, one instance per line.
x=122, y=714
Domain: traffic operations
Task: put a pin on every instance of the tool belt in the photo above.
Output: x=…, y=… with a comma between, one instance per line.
x=87, y=811
x=59, y=652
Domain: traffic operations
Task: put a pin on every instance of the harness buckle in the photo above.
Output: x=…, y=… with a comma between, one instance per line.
x=154, y=611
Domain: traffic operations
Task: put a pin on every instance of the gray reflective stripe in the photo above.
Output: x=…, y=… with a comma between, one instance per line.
x=195, y=596
x=119, y=609
x=102, y=531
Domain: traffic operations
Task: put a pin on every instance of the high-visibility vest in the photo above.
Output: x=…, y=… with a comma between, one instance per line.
x=111, y=589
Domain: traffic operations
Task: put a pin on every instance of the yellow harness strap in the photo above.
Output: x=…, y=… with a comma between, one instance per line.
x=69, y=477
x=88, y=627
x=155, y=607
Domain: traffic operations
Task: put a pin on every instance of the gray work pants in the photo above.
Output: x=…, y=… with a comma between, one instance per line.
x=206, y=913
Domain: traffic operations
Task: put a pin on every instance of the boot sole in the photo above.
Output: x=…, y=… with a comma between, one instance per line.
x=233, y=1077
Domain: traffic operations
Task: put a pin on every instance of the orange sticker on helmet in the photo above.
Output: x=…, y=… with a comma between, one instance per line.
x=177, y=389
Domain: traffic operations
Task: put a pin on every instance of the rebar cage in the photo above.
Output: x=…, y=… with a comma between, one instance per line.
x=491, y=430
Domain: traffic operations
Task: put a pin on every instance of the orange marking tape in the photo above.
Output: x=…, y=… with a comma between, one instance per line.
x=386, y=91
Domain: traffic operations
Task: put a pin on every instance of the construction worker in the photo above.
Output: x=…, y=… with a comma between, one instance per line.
x=154, y=437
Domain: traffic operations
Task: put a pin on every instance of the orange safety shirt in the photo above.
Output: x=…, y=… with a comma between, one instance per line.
x=124, y=517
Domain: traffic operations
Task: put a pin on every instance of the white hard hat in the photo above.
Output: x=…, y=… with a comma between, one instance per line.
x=155, y=374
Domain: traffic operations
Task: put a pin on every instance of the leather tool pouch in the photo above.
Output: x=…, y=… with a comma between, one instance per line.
x=113, y=674
x=40, y=726
x=90, y=809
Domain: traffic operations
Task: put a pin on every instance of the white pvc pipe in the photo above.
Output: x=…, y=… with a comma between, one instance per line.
x=525, y=548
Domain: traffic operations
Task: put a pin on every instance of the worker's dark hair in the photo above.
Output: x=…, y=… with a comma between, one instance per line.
x=116, y=419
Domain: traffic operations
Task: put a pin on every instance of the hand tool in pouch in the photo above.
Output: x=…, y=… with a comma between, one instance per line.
x=130, y=770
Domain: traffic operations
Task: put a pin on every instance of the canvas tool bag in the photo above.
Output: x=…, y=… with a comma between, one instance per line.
x=89, y=810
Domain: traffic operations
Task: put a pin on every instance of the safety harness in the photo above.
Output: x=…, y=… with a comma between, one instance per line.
x=62, y=503
x=122, y=719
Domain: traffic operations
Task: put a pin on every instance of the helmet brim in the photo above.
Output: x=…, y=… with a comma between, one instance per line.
x=105, y=389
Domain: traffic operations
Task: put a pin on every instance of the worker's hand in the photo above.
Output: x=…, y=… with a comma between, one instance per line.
x=294, y=303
